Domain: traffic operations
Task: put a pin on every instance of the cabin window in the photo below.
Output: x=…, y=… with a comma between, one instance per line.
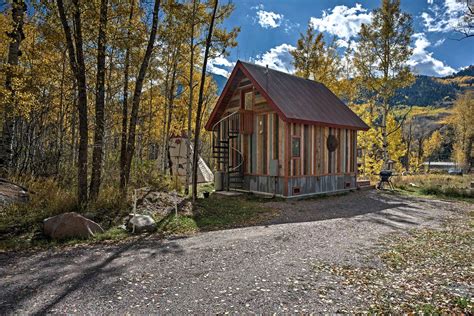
x=296, y=147
x=339, y=151
x=262, y=144
x=296, y=150
x=248, y=98
x=307, y=150
x=276, y=140
x=353, y=151
x=346, y=155
x=250, y=155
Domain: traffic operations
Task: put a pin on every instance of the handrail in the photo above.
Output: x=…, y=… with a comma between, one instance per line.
x=241, y=160
x=231, y=148
x=224, y=118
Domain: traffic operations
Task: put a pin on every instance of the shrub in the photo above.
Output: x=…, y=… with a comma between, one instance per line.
x=46, y=199
x=49, y=198
x=431, y=190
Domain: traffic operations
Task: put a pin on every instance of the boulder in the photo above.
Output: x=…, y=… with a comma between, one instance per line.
x=160, y=203
x=70, y=225
x=141, y=223
x=12, y=193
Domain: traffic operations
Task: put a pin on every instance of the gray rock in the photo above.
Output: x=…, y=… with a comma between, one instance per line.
x=12, y=193
x=70, y=225
x=141, y=223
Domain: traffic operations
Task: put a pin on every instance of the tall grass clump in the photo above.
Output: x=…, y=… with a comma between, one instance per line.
x=49, y=197
x=436, y=184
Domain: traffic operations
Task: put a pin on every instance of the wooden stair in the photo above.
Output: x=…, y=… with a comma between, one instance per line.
x=222, y=150
x=365, y=185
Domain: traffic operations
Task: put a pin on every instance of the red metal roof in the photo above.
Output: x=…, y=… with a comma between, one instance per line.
x=297, y=100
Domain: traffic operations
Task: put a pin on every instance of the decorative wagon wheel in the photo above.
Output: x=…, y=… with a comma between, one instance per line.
x=332, y=143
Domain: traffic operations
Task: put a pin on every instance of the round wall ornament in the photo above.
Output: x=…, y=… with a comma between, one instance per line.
x=332, y=143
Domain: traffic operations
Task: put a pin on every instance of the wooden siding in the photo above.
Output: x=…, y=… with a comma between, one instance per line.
x=315, y=158
x=306, y=185
x=264, y=184
x=315, y=170
x=322, y=184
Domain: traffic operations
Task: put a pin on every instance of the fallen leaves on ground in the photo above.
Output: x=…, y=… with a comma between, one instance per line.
x=428, y=271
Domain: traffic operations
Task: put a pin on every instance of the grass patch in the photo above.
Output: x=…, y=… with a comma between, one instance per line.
x=218, y=212
x=114, y=233
x=442, y=186
x=31, y=241
x=177, y=225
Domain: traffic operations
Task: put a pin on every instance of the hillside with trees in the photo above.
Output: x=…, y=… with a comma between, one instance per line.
x=435, y=91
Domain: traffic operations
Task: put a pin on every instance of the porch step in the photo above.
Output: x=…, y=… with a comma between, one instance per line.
x=364, y=185
x=220, y=155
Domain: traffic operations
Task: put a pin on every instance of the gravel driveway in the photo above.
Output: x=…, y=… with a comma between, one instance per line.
x=253, y=269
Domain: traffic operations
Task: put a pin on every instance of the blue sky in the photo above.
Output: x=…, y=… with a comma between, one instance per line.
x=270, y=29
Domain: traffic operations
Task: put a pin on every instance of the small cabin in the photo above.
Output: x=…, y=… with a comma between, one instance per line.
x=282, y=135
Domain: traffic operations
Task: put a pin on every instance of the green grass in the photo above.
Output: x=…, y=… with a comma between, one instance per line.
x=440, y=186
x=31, y=241
x=114, y=233
x=218, y=212
x=21, y=225
x=177, y=225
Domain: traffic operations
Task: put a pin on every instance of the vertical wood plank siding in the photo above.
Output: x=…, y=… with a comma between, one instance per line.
x=315, y=159
x=265, y=136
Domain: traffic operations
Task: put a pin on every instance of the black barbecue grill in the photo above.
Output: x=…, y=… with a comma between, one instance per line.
x=385, y=176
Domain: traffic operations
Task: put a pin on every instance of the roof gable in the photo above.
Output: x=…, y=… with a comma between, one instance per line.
x=295, y=99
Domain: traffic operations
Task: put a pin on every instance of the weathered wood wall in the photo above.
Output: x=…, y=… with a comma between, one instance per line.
x=307, y=185
x=264, y=184
x=305, y=164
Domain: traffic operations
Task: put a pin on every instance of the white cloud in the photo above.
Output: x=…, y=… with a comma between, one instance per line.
x=289, y=26
x=342, y=21
x=423, y=62
x=220, y=66
x=278, y=58
x=258, y=7
x=272, y=20
x=268, y=19
x=444, y=17
x=439, y=42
